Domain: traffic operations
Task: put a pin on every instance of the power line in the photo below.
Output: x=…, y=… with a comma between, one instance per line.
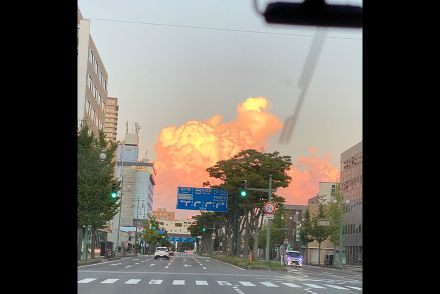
x=214, y=28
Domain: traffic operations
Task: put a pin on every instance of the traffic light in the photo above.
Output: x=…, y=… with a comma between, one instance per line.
x=243, y=188
x=114, y=193
x=203, y=229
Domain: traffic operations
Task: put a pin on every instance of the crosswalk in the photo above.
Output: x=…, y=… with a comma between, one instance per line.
x=268, y=284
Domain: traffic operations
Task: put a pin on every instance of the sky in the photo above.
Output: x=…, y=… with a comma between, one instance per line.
x=207, y=78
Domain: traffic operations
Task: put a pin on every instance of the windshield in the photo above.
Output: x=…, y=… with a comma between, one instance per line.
x=161, y=249
x=293, y=254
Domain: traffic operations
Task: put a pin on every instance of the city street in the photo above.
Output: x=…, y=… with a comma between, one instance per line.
x=188, y=273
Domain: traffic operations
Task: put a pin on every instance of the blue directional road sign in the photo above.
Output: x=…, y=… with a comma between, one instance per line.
x=208, y=199
x=181, y=239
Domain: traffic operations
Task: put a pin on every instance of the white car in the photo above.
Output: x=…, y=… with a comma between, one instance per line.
x=161, y=252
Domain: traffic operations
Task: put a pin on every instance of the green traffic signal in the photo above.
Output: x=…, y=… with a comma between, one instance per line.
x=243, y=193
x=204, y=229
x=114, y=194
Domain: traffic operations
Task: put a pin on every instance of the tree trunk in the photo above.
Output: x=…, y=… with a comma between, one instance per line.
x=319, y=253
x=93, y=244
x=255, y=249
x=307, y=253
x=80, y=240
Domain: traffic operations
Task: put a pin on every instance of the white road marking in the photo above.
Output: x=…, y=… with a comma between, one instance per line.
x=136, y=259
x=357, y=288
x=85, y=281
x=204, y=268
x=137, y=263
x=202, y=283
x=291, y=285
x=133, y=281
x=155, y=282
x=143, y=261
x=187, y=265
x=247, y=284
x=314, y=286
x=179, y=282
x=128, y=266
x=336, y=287
x=115, y=263
x=109, y=281
x=269, y=284
x=166, y=266
x=223, y=283
x=152, y=264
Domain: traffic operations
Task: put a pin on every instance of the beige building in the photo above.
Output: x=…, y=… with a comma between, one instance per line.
x=327, y=247
x=161, y=214
x=176, y=226
x=111, y=118
x=92, y=80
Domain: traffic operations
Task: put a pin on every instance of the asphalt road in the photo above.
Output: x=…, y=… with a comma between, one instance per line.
x=194, y=274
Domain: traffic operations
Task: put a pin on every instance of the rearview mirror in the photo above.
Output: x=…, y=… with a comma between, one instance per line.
x=314, y=13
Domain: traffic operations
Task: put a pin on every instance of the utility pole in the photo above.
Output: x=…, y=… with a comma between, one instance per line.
x=120, y=199
x=268, y=220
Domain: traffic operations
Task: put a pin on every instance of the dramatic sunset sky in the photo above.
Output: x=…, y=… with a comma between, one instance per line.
x=206, y=79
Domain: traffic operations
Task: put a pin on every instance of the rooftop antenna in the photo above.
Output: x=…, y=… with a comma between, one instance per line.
x=137, y=127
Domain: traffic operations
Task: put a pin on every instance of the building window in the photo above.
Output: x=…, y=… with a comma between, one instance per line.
x=88, y=107
x=101, y=76
x=91, y=56
x=96, y=67
x=178, y=224
x=95, y=93
x=105, y=85
x=89, y=82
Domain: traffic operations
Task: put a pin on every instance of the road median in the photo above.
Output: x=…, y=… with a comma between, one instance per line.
x=244, y=263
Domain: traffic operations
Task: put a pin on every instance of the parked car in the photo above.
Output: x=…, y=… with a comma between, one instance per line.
x=161, y=252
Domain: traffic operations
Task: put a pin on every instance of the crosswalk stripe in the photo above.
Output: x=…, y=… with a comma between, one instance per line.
x=314, y=286
x=109, y=281
x=201, y=283
x=133, y=281
x=179, y=282
x=353, y=287
x=336, y=287
x=155, y=282
x=247, y=284
x=291, y=285
x=222, y=283
x=269, y=284
x=85, y=281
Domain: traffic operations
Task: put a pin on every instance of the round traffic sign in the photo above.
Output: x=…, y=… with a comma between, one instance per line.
x=269, y=207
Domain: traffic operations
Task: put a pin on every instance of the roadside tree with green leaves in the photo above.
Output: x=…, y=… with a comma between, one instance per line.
x=306, y=232
x=335, y=215
x=96, y=181
x=255, y=167
x=320, y=232
x=278, y=231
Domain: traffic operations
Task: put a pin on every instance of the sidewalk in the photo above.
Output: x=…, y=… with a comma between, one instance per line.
x=346, y=268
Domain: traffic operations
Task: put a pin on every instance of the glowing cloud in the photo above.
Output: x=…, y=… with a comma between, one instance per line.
x=184, y=152
x=305, y=183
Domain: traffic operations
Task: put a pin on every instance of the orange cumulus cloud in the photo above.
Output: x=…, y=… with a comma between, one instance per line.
x=184, y=152
x=306, y=175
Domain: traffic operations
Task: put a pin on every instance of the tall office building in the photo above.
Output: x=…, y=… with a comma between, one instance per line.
x=92, y=80
x=351, y=190
x=136, y=191
x=111, y=118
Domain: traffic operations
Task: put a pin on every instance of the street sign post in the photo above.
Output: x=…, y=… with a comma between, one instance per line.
x=207, y=199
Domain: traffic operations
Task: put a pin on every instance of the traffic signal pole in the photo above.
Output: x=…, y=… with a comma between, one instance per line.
x=235, y=227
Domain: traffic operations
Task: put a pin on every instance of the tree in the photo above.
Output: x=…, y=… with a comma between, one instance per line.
x=320, y=232
x=335, y=215
x=151, y=233
x=95, y=182
x=255, y=167
x=306, y=231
